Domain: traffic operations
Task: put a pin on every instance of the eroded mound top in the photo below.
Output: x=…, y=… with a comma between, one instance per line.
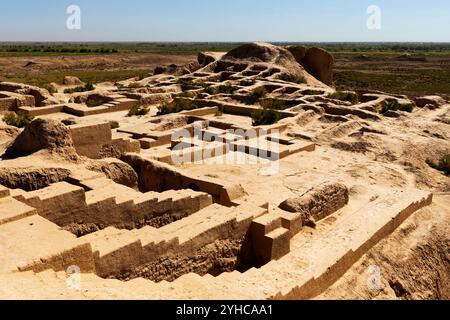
x=42, y=134
x=313, y=64
x=260, y=51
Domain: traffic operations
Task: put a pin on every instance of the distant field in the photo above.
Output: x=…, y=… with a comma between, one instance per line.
x=94, y=76
x=52, y=49
x=403, y=68
x=42, y=49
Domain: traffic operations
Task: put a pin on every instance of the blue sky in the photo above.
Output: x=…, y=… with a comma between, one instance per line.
x=225, y=20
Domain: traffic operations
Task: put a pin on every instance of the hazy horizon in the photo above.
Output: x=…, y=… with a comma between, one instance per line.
x=228, y=42
x=226, y=21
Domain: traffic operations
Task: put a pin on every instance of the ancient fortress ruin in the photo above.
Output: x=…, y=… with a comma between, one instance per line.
x=93, y=205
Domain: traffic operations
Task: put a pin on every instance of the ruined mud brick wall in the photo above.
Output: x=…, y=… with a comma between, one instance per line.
x=65, y=204
x=96, y=141
x=320, y=202
x=158, y=176
x=89, y=139
x=180, y=240
x=10, y=101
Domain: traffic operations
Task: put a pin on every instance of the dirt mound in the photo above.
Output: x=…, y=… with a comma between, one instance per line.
x=30, y=179
x=116, y=170
x=42, y=134
x=260, y=52
x=319, y=202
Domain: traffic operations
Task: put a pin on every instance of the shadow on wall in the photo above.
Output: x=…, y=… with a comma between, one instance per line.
x=159, y=177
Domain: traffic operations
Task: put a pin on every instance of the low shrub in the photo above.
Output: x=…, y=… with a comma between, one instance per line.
x=185, y=82
x=273, y=104
x=210, y=90
x=293, y=78
x=18, y=120
x=114, y=125
x=265, y=116
x=259, y=93
x=344, y=96
x=95, y=101
x=87, y=87
x=442, y=165
x=394, y=105
x=227, y=89
x=138, y=111
x=176, y=106
x=187, y=94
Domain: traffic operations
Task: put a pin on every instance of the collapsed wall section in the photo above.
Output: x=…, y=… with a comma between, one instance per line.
x=159, y=177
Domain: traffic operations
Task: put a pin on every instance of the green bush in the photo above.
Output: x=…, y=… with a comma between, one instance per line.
x=87, y=87
x=18, y=120
x=187, y=94
x=344, y=96
x=394, y=105
x=185, y=82
x=95, y=101
x=259, y=93
x=443, y=164
x=138, y=111
x=293, y=78
x=227, y=89
x=273, y=104
x=265, y=116
x=210, y=90
x=114, y=125
x=176, y=106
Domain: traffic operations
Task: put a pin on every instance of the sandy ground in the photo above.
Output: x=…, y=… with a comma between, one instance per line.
x=12, y=67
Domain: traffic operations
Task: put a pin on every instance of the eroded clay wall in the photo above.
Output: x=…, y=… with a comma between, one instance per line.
x=89, y=139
